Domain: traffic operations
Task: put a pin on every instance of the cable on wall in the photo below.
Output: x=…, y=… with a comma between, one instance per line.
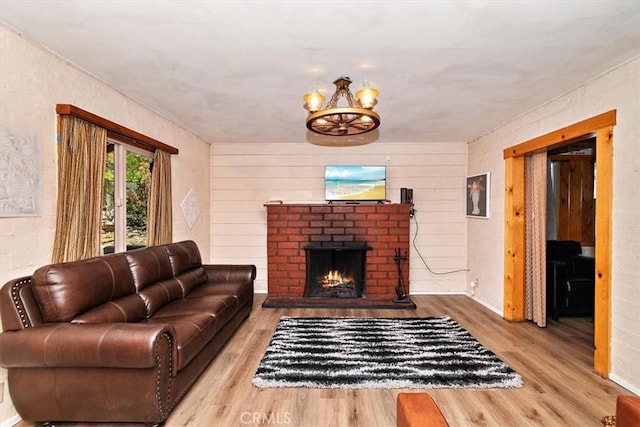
x=422, y=258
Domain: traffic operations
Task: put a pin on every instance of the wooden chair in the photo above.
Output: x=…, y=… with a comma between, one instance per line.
x=418, y=410
x=628, y=411
x=570, y=279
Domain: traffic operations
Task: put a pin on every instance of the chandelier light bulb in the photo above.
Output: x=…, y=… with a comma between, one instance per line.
x=313, y=100
x=367, y=96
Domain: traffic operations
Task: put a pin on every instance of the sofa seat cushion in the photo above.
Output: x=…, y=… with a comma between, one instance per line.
x=223, y=307
x=196, y=321
x=242, y=292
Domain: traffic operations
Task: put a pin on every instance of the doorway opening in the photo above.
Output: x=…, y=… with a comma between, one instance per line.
x=600, y=127
x=570, y=230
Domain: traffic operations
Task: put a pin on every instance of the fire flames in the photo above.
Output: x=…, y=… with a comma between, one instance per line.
x=335, y=278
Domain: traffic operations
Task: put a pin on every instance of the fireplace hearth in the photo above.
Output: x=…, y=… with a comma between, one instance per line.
x=336, y=270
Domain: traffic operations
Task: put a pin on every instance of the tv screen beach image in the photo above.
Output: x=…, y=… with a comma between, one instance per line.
x=352, y=183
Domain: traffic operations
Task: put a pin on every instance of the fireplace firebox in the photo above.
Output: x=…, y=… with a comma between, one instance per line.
x=336, y=269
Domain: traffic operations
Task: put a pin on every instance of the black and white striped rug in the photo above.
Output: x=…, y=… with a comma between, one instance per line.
x=352, y=352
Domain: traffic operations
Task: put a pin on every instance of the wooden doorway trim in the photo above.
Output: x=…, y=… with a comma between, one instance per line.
x=602, y=127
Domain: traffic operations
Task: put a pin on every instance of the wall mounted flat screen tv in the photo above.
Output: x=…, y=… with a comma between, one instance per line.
x=355, y=183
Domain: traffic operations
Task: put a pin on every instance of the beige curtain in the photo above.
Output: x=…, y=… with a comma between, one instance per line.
x=535, y=243
x=159, y=216
x=81, y=164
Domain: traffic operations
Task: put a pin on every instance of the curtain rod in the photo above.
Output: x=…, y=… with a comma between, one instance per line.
x=115, y=130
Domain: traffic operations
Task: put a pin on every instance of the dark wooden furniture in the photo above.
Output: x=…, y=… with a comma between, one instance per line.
x=570, y=279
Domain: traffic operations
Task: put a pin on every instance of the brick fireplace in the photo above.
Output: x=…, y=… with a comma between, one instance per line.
x=385, y=228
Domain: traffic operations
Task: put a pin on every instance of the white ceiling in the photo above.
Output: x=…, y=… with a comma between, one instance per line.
x=235, y=71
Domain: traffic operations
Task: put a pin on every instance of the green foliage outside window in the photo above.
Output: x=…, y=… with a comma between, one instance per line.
x=138, y=183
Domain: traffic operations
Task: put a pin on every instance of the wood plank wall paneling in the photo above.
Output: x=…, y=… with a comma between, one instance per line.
x=245, y=176
x=576, y=210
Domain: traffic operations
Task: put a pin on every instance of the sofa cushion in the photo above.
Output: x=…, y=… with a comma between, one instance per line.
x=223, y=307
x=130, y=308
x=186, y=264
x=242, y=292
x=149, y=265
x=184, y=256
x=65, y=290
x=191, y=279
x=193, y=331
x=159, y=294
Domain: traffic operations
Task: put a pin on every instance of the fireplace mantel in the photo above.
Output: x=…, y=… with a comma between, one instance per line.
x=291, y=227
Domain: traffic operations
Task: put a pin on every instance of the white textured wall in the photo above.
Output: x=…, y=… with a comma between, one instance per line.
x=618, y=89
x=32, y=82
x=244, y=176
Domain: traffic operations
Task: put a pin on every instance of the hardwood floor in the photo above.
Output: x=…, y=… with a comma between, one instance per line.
x=560, y=388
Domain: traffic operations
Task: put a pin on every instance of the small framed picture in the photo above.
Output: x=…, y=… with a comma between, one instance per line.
x=478, y=187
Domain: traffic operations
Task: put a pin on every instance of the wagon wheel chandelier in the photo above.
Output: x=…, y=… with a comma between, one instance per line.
x=356, y=118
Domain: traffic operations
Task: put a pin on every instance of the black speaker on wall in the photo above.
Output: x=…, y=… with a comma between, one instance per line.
x=406, y=195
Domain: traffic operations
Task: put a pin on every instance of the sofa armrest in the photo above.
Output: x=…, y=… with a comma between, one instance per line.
x=96, y=345
x=225, y=273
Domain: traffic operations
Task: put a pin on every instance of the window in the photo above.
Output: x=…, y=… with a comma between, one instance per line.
x=127, y=181
x=85, y=227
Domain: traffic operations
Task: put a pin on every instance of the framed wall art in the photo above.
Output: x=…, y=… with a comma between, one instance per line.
x=478, y=191
x=20, y=172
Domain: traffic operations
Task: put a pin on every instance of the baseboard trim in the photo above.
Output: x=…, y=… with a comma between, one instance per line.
x=11, y=421
x=482, y=303
x=437, y=293
x=621, y=382
x=487, y=306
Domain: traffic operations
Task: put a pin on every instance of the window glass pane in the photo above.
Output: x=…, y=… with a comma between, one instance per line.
x=107, y=240
x=137, y=189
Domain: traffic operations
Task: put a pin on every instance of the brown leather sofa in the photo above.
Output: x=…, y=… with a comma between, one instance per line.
x=118, y=338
